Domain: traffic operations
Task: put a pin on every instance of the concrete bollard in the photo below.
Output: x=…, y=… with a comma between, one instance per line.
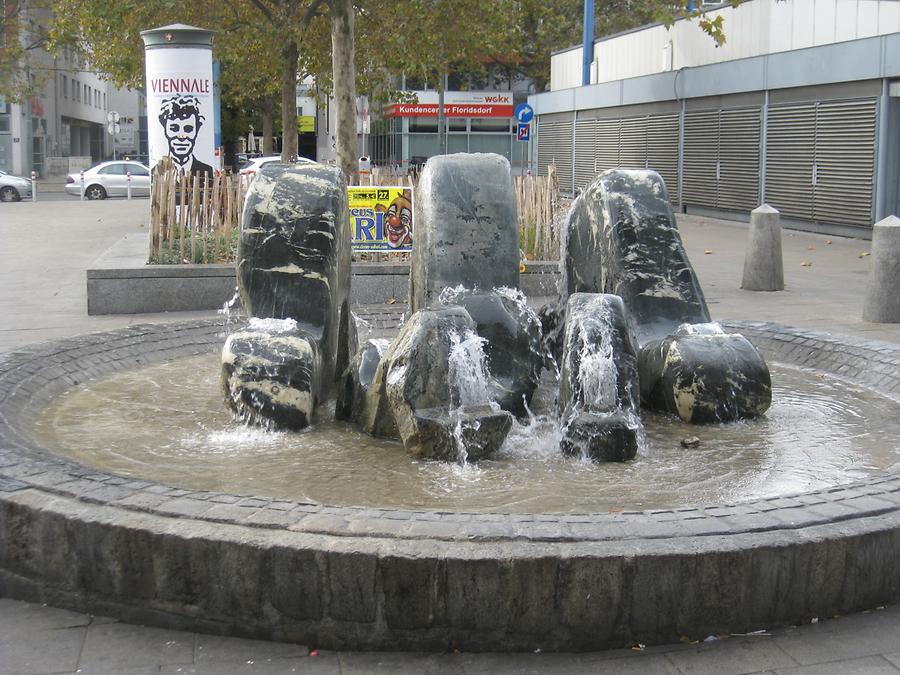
x=763, y=266
x=882, y=303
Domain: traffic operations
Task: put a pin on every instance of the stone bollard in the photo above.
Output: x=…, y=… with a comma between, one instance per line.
x=882, y=304
x=763, y=266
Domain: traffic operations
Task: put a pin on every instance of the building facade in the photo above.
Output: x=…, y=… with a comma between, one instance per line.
x=63, y=125
x=800, y=109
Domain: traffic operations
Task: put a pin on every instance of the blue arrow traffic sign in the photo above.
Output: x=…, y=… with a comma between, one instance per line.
x=523, y=133
x=523, y=113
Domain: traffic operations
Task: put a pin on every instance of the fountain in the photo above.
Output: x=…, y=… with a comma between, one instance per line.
x=634, y=318
x=464, y=496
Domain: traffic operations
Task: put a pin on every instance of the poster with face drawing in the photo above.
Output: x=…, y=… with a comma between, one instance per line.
x=180, y=109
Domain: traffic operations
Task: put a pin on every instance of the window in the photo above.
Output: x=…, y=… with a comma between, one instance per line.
x=137, y=170
x=65, y=86
x=490, y=124
x=423, y=124
x=113, y=170
x=87, y=95
x=104, y=100
x=76, y=90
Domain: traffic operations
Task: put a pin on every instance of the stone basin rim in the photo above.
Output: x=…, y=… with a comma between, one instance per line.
x=34, y=375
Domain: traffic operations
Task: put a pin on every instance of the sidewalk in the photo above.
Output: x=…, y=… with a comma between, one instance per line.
x=47, y=248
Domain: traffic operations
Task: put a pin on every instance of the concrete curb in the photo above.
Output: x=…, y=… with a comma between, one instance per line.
x=142, y=289
x=356, y=578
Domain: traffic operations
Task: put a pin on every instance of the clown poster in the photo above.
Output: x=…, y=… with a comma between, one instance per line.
x=381, y=218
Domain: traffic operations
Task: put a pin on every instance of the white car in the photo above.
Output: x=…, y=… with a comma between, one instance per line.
x=253, y=165
x=13, y=188
x=109, y=179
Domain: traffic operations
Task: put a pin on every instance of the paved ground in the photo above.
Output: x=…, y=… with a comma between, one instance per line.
x=49, y=245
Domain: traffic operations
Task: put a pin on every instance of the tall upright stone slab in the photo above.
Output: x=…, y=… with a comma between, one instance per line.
x=763, y=265
x=882, y=304
x=622, y=239
x=293, y=259
x=293, y=271
x=466, y=227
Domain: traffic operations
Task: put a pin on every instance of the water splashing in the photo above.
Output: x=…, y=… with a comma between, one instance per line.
x=468, y=371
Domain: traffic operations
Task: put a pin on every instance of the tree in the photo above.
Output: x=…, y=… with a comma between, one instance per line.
x=23, y=33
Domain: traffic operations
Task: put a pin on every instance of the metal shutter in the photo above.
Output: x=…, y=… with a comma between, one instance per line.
x=555, y=147
x=845, y=162
x=585, y=144
x=633, y=143
x=790, y=154
x=701, y=149
x=606, y=155
x=662, y=150
x=738, y=184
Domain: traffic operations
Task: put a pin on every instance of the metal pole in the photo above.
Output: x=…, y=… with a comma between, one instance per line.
x=34, y=186
x=587, y=42
x=881, y=155
x=763, y=149
x=82, y=186
x=129, y=184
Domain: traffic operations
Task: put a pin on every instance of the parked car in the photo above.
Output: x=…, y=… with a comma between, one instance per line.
x=109, y=179
x=13, y=188
x=250, y=168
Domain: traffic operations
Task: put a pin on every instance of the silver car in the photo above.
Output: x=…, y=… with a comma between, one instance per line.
x=13, y=188
x=110, y=179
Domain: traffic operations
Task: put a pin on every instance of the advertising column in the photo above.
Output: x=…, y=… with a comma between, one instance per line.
x=180, y=97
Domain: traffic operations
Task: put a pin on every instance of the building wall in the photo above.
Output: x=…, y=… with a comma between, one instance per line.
x=811, y=131
x=754, y=28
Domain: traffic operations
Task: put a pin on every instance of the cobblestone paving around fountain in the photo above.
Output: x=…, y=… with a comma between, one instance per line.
x=62, y=521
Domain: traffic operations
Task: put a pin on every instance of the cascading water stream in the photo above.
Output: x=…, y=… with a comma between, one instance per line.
x=469, y=383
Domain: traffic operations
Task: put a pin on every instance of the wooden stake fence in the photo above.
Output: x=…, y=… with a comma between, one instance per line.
x=196, y=219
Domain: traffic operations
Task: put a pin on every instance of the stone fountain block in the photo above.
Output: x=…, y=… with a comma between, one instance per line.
x=481, y=430
x=413, y=376
x=704, y=375
x=293, y=259
x=513, y=344
x=272, y=377
x=466, y=227
x=621, y=238
x=604, y=438
x=353, y=393
x=598, y=388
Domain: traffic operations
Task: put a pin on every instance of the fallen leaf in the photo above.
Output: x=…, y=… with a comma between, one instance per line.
x=828, y=242
x=616, y=510
x=864, y=254
x=392, y=301
x=810, y=248
x=806, y=263
x=639, y=647
x=707, y=252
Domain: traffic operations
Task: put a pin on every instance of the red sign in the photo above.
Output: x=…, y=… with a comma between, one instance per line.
x=450, y=110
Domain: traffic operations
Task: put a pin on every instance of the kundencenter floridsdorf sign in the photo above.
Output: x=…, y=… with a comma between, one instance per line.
x=381, y=218
x=456, y=104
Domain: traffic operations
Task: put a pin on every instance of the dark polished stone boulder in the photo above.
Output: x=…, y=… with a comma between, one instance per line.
x=621, y=238
x=293, y=259
x=598, y=388
x=703, y=374
x=413, y=396
x=293, y=263
x=466, y=227
x=512, y=343
x=272, y=378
